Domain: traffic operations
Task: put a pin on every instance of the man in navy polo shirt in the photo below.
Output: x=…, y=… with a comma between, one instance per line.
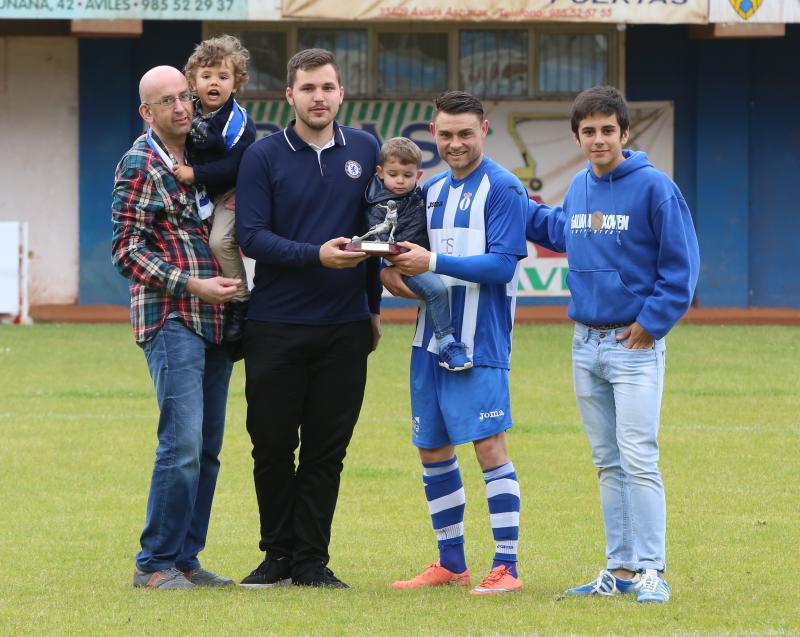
x=312, y=321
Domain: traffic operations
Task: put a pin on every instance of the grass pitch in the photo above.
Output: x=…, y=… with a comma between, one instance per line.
x=78, y=421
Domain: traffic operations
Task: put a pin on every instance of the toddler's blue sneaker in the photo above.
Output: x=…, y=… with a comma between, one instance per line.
x=605, y=584
x=652, y=589
x=454, y=358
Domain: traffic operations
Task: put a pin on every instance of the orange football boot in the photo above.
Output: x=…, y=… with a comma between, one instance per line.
x=499, y=580
x=434, y=575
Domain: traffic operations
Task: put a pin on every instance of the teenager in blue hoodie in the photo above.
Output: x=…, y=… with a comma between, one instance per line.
x=633, y=265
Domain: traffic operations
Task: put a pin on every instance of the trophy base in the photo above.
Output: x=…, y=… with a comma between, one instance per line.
x=375, y=248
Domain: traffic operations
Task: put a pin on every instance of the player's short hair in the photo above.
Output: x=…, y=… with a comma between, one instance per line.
x=457, y=102
x=603, y=100
x=310, y=59
x=213, y=51
x=402, y=149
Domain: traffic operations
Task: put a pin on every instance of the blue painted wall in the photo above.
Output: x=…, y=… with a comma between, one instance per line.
x=722, y=205
x=109, y=72
x=774, y=227
x=737, y=136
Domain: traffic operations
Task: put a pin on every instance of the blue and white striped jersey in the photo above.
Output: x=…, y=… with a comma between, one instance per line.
x=484, y=212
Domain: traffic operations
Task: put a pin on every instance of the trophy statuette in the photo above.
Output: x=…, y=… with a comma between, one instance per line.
x=372, y=242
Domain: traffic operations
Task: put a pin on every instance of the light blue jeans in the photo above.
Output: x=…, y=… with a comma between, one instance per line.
x=191, y=382
x=437, y=302
x=619, y=396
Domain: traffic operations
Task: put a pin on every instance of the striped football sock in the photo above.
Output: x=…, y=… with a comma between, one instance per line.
x=502, y=492
x=446, y=501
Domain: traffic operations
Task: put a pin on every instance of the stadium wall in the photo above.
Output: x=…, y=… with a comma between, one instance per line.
x=39, y=159
x=735, y=149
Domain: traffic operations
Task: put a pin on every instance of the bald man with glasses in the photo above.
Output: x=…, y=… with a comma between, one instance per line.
x=160, y=245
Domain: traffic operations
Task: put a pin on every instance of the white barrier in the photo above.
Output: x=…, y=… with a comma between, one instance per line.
x=14, y=271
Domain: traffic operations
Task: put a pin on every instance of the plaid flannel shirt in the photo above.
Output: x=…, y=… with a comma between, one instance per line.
x=158, y=242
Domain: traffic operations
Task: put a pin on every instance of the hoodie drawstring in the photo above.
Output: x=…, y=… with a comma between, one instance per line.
x=586, y=196
x=614, y=204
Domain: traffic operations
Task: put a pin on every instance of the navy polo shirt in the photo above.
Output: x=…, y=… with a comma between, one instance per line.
x=289, y=201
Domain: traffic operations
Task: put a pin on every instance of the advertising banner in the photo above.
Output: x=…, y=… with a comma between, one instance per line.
x=531, y=139
x=124, y=9
x=616, y=11
x=766, y=11
x=631, y=11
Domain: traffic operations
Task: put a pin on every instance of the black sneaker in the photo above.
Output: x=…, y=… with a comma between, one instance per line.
x=270, y=573
x=318, y=577
x=235, y=315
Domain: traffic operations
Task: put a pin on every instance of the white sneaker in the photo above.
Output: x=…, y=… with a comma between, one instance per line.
x=606, y=584
x=652, y=588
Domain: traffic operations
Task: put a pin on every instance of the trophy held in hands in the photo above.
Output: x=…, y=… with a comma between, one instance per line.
x=379, y=241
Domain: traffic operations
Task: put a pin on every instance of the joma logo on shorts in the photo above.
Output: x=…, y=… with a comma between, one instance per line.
x=492, y=414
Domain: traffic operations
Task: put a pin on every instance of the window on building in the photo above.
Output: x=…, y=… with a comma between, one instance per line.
x=494, y=63
x=267, y=66
x=349, y=47
x=378, y=61
x=571, y=62
x=411, y=63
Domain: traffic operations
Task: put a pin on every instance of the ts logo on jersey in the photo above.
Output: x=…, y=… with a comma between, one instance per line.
x=466, y=200
x=353, y=169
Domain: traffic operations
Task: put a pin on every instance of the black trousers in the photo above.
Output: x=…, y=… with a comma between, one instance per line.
x=304, y=385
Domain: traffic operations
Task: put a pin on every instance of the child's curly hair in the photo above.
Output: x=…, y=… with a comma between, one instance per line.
x=213, y=51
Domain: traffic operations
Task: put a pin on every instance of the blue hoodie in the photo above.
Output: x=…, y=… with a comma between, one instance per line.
x=630, y=243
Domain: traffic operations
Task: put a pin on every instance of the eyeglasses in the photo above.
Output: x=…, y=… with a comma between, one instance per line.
x=169, y=100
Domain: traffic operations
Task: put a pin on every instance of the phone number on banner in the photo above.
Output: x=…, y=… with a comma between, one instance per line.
x=125, y=9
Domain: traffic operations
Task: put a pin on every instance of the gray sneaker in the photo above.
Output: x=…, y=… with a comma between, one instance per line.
x=169, y=578
x=202, y=577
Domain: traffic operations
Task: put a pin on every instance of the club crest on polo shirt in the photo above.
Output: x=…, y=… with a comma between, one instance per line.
x=466, y=199
x=352, y=168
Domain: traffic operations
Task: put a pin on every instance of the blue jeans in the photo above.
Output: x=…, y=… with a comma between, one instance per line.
x=437, y=302
x=619, y=396
x=191, y=380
